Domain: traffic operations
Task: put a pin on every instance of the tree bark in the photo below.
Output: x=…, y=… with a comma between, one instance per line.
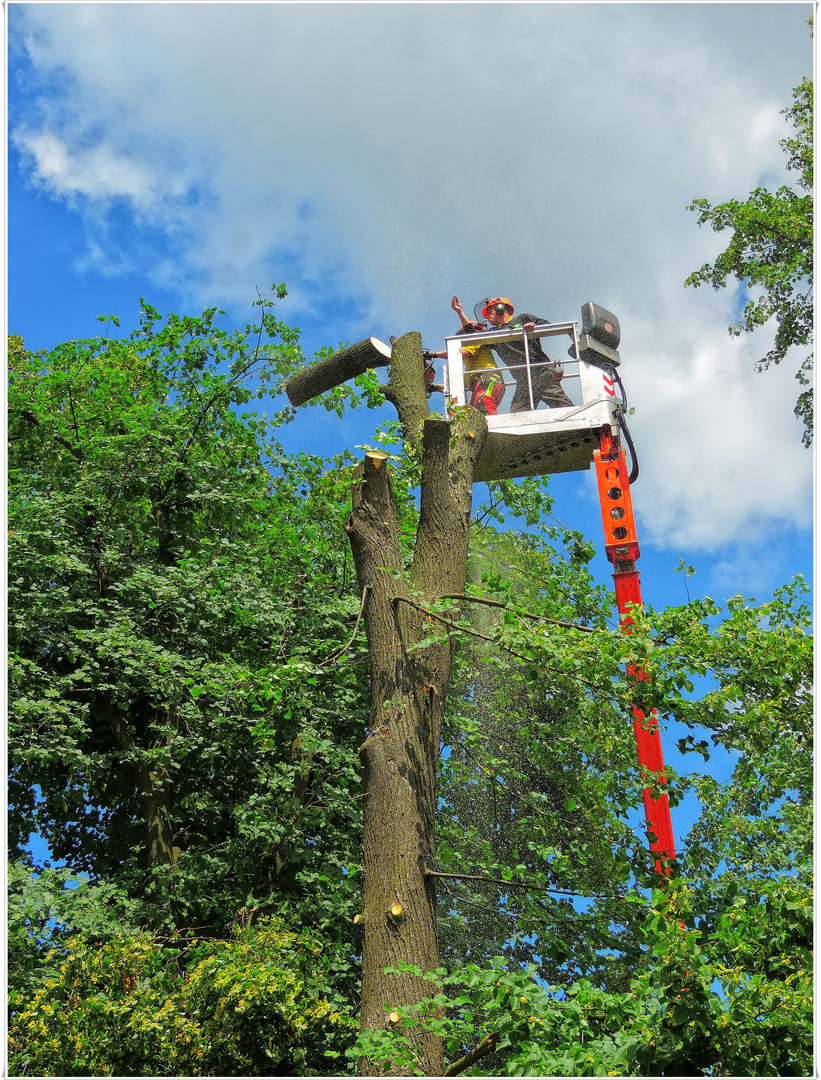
x=409, y=686
x=154, y=795
x=406, y=388
x=337, y=369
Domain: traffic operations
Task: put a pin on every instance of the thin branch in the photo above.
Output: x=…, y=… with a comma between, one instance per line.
x=528, y=920
x=488, y=1044
x=520, y=885
x=528, y=614
x=485, y=1047
x=461, y=629
x=261, y=322
x=223, y=393
x=565, y=593
x=73, y=417
x=194, y=387
x=514, y=794
x=345, y=648
x=30, y=418
x=484, y=908
x=493, y=641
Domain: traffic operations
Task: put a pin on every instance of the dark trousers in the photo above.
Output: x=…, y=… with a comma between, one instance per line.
x=546, y=388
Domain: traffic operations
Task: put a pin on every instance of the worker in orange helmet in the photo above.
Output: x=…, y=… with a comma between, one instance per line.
x=546, y=376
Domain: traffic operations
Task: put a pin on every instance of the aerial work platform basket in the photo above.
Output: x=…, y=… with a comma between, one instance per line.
x=540, y=440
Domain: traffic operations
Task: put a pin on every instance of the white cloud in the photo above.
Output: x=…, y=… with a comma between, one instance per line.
x=98, y=173
x=719, y=443
x=396, y=153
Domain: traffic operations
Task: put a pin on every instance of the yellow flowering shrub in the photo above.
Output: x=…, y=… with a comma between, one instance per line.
x=252, y=1005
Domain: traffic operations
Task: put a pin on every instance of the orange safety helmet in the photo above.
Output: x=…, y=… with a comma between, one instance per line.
x=496, y=300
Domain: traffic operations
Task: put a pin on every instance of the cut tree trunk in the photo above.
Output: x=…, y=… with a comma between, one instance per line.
x=409, y=685
x=337, y=369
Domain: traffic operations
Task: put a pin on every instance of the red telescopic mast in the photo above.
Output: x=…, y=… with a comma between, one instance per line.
x=622, y=550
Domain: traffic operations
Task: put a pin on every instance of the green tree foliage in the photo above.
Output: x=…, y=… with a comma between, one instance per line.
x=45, y=908
x=671, y=1019
x=711, y=975
x=184, y=715
x=253, y=1005
x=541, y=770
x=772, y=251
x=188, y=692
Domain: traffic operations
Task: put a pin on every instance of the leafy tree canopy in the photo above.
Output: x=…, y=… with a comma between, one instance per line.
x=188, y=691
x=772, y=251
x=184, y=712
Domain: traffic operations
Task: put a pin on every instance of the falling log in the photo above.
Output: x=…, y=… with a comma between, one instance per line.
x=337, y=369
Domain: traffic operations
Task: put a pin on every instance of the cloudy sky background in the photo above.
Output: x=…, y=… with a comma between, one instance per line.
x=380, y=157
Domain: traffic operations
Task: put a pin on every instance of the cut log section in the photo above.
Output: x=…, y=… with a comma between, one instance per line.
x=337, y=369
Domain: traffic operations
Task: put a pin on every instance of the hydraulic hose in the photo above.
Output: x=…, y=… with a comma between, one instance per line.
x=634, y=470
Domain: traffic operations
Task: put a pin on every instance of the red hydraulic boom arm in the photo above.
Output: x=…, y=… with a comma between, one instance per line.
x=622, y=550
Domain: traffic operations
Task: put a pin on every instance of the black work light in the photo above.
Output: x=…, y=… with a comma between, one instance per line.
x=599, y=337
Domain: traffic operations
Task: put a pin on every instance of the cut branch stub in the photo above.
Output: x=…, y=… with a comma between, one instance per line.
x=396, y=912
x=337, y=369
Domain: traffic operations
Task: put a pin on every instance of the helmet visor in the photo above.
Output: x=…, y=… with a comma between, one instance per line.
x=493, y=301
x=478, y=309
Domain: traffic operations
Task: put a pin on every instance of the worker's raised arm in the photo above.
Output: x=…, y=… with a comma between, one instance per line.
x=457, y=307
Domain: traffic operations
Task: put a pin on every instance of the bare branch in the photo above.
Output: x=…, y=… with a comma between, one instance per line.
x=485, y=637
x=336, y=656
x=528, y=614
x=519, y=885
x=461, y=629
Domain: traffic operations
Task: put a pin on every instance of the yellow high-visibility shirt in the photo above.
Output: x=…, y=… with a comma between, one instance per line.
x=477, y=357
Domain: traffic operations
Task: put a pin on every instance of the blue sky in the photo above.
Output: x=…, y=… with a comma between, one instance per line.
x=379, y=158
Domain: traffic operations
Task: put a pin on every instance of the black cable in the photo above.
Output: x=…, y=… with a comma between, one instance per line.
x=634, y=471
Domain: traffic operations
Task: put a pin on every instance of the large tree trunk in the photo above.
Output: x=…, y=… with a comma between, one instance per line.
x=409, y=687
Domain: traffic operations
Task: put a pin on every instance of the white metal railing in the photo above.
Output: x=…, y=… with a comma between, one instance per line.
x=586, y=378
